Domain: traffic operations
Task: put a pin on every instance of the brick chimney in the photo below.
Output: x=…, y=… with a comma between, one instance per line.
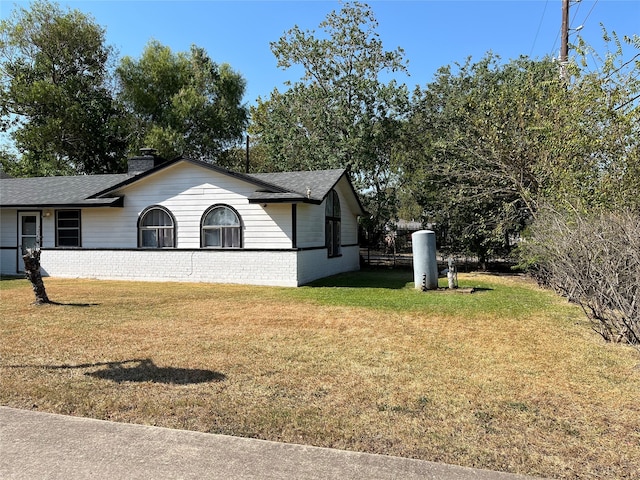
x=147, y=159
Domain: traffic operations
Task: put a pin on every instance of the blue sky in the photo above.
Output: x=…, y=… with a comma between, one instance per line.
x=433, y=33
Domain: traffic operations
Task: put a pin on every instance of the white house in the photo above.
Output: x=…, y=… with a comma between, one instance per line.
x=183, y=220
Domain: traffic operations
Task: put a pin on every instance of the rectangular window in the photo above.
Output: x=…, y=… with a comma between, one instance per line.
x=222, y=237
x=332, y=232
x=68, y=228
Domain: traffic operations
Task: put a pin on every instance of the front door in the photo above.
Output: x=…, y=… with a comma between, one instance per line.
x=28, y=233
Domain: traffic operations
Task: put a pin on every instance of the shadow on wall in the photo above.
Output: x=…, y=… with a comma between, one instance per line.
x=141, y=370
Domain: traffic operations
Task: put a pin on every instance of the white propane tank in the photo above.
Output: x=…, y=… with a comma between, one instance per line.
x=425, y=265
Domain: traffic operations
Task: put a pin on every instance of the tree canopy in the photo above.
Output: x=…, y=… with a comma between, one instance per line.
x=182, y=103
x=488, y=143
x=340, y=113
x=67, y=110
x=56, y=103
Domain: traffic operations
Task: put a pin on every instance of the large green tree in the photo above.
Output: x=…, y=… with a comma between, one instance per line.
x=475, y=148
x=56, y=103
x=489, y=142
x=182, y=103
x=341, y=113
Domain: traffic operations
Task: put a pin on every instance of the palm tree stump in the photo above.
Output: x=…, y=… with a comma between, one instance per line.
x=32, y=270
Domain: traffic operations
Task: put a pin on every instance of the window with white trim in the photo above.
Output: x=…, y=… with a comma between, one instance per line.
x=156, y=228
x=332, y=224
x=221, y=228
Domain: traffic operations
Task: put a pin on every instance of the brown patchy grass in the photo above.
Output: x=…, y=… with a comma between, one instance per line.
x=509, y=378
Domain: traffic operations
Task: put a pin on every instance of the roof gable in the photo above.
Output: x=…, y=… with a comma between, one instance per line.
x=305, y=186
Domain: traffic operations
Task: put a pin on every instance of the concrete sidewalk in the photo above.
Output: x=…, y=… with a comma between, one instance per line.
x=36, y=445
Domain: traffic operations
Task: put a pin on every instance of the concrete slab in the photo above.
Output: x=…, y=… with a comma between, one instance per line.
x=35, y=445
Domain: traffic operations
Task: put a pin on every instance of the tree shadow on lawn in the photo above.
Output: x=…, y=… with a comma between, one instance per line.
x=143, y=370
x=72, y=304
x=385, y=278
x=395, y=279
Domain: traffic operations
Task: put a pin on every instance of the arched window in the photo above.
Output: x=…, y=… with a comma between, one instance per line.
x=156, y=228
x=221, y=228
x=332, y=224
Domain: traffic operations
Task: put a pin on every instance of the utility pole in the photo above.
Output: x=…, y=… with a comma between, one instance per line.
x=564, y=47
x=564, y=39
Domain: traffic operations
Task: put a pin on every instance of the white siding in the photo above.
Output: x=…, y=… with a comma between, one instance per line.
x=8, y=227
x=48, y=225
x=311, y=220
x=8, y=241
x=187, y=191
x=310, y=225
x=348, y=220
x=109, y=228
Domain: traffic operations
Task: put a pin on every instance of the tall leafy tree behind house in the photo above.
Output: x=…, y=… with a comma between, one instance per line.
x=489, y=142
x=340, y=113
x=56, y=102
x=182, y=103
x=477, y=147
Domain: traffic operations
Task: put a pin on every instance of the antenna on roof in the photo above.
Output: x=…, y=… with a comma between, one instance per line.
x=246, y=166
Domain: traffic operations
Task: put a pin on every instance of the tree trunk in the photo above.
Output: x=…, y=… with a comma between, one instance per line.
x=32, y=271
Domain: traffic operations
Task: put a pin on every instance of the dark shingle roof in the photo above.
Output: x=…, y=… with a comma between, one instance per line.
x=313, y=185
x=57, y=191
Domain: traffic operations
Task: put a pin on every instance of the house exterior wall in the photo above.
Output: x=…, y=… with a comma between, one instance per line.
x=314, y=264
x=310, y=225
x=348, y=221
x=311, y=221
x=251, y=267
x=283, y=268
x=8, y=241
x=187, y=191
x=109, y=235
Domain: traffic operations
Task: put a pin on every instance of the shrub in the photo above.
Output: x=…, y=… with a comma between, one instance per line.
x=594, y=260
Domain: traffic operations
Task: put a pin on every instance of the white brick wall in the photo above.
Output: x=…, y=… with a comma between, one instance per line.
x=271, y=268
x=277, y=268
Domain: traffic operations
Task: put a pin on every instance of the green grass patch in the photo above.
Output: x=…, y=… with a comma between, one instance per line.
x=394, y=290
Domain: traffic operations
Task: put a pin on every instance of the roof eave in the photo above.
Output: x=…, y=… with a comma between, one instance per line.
x=291, y=200
x=102, y=202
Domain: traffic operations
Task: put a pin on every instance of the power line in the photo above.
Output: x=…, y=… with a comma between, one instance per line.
x=539, y=26
x=588, y=14
x=579, y=3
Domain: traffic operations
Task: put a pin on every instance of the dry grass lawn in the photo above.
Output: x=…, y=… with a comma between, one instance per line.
x=509, y=378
